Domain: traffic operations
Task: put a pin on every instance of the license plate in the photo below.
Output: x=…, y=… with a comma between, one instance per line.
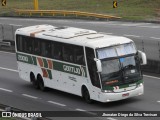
x=125, y=95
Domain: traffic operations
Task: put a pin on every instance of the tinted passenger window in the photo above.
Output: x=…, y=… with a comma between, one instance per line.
x=28, y=45
x=68, y=53
x=57, y=52
x=37, y=47
x=19, y=43
x=79, y=55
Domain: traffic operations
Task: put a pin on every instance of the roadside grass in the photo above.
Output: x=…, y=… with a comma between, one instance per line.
x=127, y=9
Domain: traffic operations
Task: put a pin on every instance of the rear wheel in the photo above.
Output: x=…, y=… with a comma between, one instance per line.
x=41, y=83
x=34, y=81
x=86, y=95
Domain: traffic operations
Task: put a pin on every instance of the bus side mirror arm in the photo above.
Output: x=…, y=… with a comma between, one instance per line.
x=143, y=57
x=98, y=64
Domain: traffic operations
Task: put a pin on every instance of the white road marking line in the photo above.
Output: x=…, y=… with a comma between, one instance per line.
x=111, y=118
x=131, y=35
x=15, y=25
x=150, y=26
x=7, y=90
x=155, y=38
x=8, y=69
x=128, y=25
x=158, y=101
x=155, y=27
x=30, y=96
x=7, y=52
x=112, y=24
x=56, y=103
x=80, y=109
x=151, y=76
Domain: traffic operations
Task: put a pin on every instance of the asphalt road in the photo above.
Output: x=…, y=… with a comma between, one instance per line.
x=20, y=94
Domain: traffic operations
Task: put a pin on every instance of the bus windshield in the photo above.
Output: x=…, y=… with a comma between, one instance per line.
x=124, y=70
x=115, y=51
x=118, y=68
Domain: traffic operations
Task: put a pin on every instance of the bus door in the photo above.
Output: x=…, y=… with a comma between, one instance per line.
x=94, y=77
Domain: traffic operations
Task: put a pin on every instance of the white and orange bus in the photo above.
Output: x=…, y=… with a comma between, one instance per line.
x=83, y=62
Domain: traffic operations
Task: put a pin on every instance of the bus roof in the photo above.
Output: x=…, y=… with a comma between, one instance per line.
x=73, y=35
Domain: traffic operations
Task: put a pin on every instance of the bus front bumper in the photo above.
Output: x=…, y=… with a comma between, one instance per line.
x=109, y=97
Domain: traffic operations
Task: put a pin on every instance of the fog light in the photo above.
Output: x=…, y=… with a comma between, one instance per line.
x=108, y=100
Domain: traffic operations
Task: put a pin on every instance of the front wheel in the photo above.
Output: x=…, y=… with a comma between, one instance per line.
x=86, y=95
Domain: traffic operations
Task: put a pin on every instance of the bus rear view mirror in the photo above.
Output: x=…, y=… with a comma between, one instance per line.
x=98, y=64
x=143, y=57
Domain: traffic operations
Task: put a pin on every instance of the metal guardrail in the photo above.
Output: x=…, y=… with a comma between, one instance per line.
x=8, y=44
x=64, y=13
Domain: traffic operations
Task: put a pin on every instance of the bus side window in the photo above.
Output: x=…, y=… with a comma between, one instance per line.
x=37, y=47
x=19, y=42
x=52, y=50
x=45, y=48
x=68, y=53
x=92, y=67
x=42, y=48
x=57, y=51
x=28, y=45
x=48, y=49
x=79, y=55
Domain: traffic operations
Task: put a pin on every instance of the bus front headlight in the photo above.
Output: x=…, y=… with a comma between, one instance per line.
x=107, y=91
x=139, y=85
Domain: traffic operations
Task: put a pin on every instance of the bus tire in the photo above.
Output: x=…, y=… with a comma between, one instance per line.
x=86, y=95
x=41, y=83
x=33, y=80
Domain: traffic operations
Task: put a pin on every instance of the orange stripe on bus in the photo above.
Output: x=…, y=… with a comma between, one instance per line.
x=33, y=33
x=40, y=61
x=45, y=73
